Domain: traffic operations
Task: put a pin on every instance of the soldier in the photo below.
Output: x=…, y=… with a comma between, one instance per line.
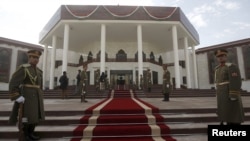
x=83, y=83
x=141, y=82
x=25, y=89
x=228, y=87
x=97, y=80
x=166, y=85
x=149, y=82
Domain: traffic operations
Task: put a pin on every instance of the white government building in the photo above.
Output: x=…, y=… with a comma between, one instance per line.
x=123, y=42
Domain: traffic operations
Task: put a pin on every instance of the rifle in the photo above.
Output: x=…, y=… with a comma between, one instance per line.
x=20, y=122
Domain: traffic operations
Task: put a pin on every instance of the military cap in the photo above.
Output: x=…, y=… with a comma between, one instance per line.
x=220, y=52
x=36, y=53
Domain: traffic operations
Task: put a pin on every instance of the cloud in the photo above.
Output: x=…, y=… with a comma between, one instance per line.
x=227, y=4
x=242, y=25
x=197, y=19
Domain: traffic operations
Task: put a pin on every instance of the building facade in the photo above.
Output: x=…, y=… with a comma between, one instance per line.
x=238, y=53
x=122, y=41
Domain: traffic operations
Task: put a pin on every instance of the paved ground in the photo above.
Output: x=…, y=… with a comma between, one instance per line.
x=174, y=103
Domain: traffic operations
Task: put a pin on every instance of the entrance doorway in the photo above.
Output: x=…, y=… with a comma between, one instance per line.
x=121, y=79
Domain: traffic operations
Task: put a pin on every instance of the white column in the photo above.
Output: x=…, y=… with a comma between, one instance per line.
x=45, y=52
x=52, y=62
x=195, y=69
x=241, y=62
x=65, y=48
x=103, y=46
x=176, y=57
x=140, y=57
x=187, y=62
x=13, y=61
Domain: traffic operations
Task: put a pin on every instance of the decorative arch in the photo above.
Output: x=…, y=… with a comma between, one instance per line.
x=121, y=56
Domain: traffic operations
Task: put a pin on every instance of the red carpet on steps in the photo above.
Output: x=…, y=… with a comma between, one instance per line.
x=122, y=117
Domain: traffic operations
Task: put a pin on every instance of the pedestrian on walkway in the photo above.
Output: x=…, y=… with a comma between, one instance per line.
x=25, y=88
x=64, y=81
x=228, y=88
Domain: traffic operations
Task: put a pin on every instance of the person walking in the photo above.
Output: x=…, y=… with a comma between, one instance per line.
x=83, y=83
x=166, y=85
x=25, y=88
x=228, y=86
x=64, y=81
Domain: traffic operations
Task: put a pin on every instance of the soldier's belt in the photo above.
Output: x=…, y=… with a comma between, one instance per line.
x=222, y=83
x=31, y=86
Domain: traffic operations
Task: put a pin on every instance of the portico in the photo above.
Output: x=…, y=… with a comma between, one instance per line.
x=121, y=38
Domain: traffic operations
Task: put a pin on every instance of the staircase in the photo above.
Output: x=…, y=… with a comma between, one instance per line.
x=184, y=122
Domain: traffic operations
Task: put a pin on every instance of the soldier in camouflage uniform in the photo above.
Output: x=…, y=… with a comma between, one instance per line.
x=26, y=87
x=83, y=83
x=149, y=82
x=228, y=87
x=166, y=85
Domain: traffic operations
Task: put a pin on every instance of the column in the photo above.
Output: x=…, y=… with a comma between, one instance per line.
x=103, y=46
x=187, y=62
x=176, y=57
x=241, y=62
x=140, y=57
x=45, y=52
x=52, y=63
x=195, y=69
x=65, y=48
x=13, y=61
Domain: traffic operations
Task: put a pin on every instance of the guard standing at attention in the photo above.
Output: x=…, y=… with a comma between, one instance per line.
x=149, y=81
x=25, y=88
x=83, y=83
x=228, y=86
x=166, y=85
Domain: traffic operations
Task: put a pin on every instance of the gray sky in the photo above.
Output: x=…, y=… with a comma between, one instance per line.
x=217, y=21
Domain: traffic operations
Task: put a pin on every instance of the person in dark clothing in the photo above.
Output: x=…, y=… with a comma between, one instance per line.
x=64, y=80
x=78, y=79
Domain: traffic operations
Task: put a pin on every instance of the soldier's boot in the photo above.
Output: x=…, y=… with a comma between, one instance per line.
x=31, y=132
x=166, y=97
x=84, y=100
x=26, y=133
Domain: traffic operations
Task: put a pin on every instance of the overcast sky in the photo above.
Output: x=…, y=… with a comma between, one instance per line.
x=217, y=21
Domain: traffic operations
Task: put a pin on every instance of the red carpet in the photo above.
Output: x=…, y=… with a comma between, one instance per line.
x=122, y=117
